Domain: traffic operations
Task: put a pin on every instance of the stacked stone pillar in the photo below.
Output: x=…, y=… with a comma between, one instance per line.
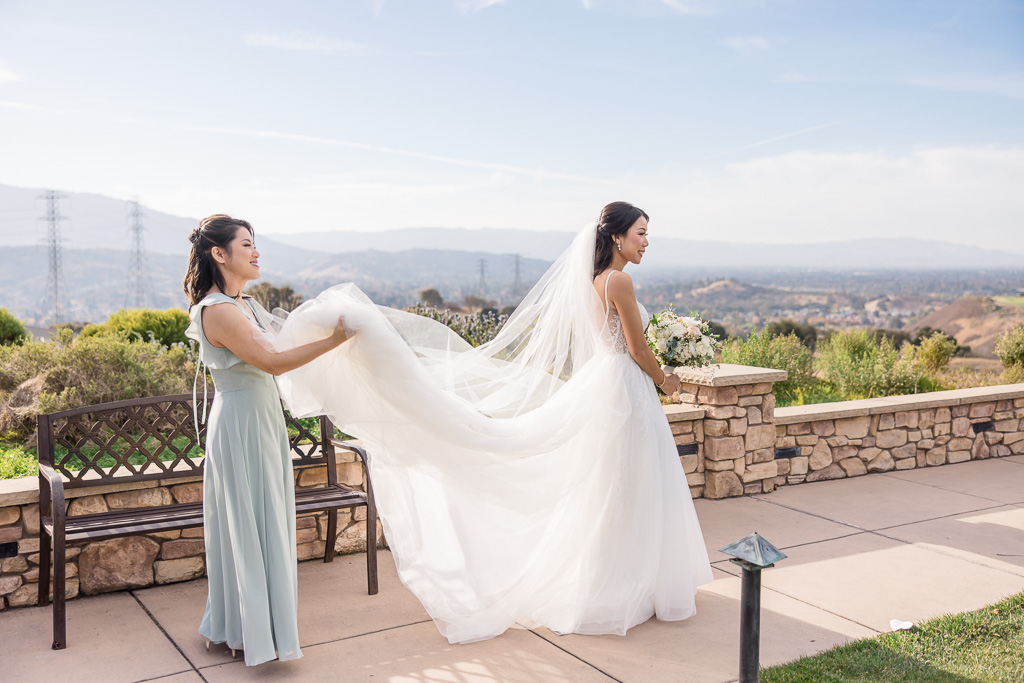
x=739, y=426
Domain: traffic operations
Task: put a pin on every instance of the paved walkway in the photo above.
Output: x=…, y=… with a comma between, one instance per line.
x=906, y=545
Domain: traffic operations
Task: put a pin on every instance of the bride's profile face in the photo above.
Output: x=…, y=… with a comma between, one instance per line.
x=634, y=242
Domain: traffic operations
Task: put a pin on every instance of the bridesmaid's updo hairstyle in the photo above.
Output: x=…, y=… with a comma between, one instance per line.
x=214, y=231
x=616, y=219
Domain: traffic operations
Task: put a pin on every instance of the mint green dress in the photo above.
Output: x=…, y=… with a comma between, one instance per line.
x=248, y=504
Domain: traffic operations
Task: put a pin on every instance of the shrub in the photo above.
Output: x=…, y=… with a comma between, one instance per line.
x=476, y=329
x=165, y=327
x=1010, y=347
x=808, y=334
x=11, y=329
x=935, y=351
x=766, y=350
x=16, y=462
x=271, y=297
x=862, y=365
x=87, y=370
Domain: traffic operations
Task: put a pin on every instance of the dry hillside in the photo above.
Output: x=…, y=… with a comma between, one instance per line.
x=974, y=322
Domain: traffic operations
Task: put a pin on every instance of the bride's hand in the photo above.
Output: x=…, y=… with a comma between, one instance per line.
x=340, y=333
x=671, y=385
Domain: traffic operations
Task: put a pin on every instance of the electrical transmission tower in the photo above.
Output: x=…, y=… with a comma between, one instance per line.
x=483, y=277
x=53, y=218
x=517, y=284
x=136, y=293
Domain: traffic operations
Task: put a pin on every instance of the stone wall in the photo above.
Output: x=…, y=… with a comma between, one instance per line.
x=742, y=445
x=157, y=558
x=853, y=438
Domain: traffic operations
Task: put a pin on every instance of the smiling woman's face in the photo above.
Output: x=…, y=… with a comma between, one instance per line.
x=240, y=259
x=634, y=242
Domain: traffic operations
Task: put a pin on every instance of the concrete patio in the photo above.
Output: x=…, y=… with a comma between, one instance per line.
x=907, y=545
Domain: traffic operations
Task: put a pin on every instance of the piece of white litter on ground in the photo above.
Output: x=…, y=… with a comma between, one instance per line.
x=897, y=625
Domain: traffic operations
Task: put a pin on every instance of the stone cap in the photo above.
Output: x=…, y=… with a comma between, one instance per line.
x=894, y=404
x=679, y=412
x=729, y=375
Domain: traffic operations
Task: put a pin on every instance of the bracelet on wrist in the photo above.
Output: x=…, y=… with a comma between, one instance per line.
x=664, y=378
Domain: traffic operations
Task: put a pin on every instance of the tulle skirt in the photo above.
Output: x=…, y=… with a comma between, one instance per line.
x=574, y=514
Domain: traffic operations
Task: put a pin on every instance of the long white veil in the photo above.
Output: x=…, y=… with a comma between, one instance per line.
x=495, y=468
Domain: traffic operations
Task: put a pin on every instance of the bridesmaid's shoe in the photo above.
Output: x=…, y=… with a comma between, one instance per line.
x=207, y=644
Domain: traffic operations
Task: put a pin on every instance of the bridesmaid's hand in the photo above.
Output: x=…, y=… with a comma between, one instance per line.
x=340, y=333
x=671, y=385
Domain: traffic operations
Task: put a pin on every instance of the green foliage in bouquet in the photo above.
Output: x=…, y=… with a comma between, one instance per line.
x=681, y=341
x=165, y=327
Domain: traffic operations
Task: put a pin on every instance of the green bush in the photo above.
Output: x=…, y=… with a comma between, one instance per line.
x=862, y=365
x=766, y=350
x=16, y=462
x=476, y=329
x=165, y=327
x=808, y=334
x=1010, y=347
x=88, y=370
x=935, y=351
x=11, y=329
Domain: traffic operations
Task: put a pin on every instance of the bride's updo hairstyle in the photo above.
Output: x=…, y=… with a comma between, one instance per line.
x=214, y=231
x=616, y=219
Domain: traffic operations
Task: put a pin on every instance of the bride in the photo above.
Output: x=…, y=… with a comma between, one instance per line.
x=533, y=478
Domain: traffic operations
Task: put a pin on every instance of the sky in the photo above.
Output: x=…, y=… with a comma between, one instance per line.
x=738, y=120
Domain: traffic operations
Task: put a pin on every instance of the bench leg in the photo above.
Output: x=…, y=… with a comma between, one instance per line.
x=371, y=545
x=332, y=535
x=44, y=566
x=59, y=613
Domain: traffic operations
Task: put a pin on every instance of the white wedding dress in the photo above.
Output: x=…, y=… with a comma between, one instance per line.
x=534, y=478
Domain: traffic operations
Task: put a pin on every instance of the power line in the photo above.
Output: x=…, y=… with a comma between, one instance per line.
x=136, y=292
x=53, y=218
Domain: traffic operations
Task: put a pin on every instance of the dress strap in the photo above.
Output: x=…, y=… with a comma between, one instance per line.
x=607, y=305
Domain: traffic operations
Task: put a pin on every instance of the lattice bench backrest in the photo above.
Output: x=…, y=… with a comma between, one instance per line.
x=145, y=438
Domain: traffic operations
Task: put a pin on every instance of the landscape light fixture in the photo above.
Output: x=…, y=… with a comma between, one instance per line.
x=752, y=553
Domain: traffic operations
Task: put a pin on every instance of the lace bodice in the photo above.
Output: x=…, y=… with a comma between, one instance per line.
x=618, y=337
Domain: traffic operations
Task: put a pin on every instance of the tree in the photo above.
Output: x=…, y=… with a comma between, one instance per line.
x=12, y=331
x=271, y=297
x=807, y=334
x=432, y=297
x=470, y=301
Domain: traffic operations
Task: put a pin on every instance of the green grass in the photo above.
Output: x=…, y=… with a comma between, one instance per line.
x=1012, y=300
x=16, y=461
x=987, y=645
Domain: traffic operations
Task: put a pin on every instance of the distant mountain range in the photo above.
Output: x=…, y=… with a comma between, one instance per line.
x=391, y=265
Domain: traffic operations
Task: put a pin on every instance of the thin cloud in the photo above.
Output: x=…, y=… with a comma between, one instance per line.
x=1003, y=85
x=535, y=173
x=747, y=43
x=467, y=6
x=302, y=41
x=784, y=136
x=8, y=76
x=687, y=6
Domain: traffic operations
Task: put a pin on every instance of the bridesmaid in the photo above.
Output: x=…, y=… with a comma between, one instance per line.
x=248, y=489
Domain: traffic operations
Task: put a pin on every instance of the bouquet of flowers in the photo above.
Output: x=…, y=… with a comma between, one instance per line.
x=681, y=341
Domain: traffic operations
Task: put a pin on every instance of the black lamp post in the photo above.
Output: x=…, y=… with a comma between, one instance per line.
x=753, y=554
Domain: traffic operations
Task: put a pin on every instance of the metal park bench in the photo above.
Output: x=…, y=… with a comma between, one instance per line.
x=151, y=439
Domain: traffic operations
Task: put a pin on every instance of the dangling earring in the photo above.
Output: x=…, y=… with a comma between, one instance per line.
x=619, y=245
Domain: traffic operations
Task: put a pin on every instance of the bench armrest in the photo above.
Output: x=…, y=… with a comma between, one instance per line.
x=358, y=450
x=51, y=494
